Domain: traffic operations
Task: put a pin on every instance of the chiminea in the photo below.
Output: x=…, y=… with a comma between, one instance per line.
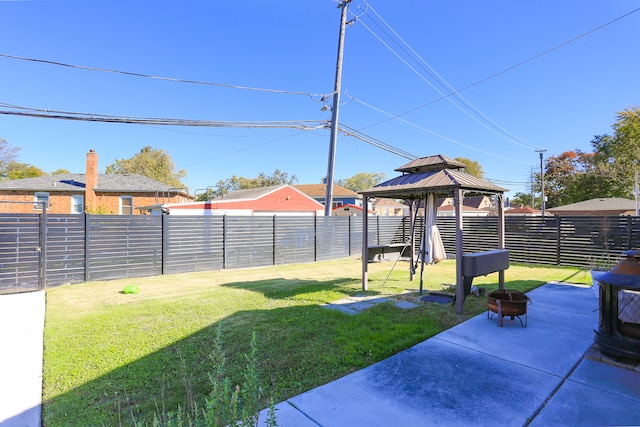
x=618, y=332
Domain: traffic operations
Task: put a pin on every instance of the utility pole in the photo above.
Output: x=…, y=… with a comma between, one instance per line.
x=542, y=201
x=635, y=189
x=328, y=199
x=533, y=202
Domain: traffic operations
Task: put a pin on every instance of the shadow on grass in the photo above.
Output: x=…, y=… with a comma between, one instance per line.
x=310, y=290
x=300, y=347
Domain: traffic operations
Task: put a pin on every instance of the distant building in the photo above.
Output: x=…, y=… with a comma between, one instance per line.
x=450, y=210
x=597, y=207
x=523, y=211
x=389, y=207
x=348, y=210
x=478, y=202
x=91, y=192
x=341, y=195
x=278, y=199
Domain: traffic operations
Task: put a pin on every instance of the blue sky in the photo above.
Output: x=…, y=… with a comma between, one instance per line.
x=556, y=101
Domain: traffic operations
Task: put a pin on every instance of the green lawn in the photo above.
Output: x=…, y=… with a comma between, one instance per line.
x=111, y=357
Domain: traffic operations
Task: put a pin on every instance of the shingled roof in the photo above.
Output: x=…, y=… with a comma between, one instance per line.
x=319, y=190
x=75, y=182
x=610, y=205
x=254, y=193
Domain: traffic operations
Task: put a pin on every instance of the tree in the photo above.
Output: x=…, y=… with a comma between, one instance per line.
x=619, y=154
x=7, y=155
x=60, y=171
x=362, y=181
x=234, y=183
x=608, y=171
x=471, y=167
x=522, y=199
x=152, y=163
x=17, y=170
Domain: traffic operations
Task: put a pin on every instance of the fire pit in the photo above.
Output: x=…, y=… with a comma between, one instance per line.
x=618, y=332
x=508, y=303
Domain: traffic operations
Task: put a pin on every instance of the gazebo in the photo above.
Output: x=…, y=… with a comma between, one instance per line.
x=427, y=178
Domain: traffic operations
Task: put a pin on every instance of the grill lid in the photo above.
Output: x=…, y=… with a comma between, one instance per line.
x=626, y=273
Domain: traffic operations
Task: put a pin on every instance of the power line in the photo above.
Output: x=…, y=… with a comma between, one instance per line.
x=104, y=118
x=508, y=68
x=149, y=76
x=349, y=131
x=437, y=134
x=305, y=125
x=481, y=118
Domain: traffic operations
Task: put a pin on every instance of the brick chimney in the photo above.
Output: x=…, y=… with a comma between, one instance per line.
x=91, y=181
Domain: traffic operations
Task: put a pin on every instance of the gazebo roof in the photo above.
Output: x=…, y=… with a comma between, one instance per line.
x=433, y=174
x=431, y=163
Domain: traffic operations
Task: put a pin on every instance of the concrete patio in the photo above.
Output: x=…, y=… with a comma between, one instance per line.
x=478, y=374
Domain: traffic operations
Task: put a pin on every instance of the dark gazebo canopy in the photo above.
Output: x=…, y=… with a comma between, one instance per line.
x=441, y=176
x=435, y=174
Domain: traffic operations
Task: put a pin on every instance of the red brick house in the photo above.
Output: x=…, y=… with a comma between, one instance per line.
x=278, y=199
x=91, y=192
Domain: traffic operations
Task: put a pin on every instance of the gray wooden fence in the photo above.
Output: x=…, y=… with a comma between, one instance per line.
x=38, y=251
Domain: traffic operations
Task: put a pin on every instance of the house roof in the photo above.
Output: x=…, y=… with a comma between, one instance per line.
x=600, y=204
x=522, y=210
x=275, y=198
x=383, y=202
x=131, y=183
x=249, y=193
x=451, y=208
x=349, y=206
x=320, y=190
x=474, y=201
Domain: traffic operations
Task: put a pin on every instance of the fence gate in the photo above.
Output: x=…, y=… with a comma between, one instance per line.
x=20, y=253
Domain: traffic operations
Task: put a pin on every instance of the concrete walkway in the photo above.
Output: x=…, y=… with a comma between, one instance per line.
x=21, y=335
x=478, y=374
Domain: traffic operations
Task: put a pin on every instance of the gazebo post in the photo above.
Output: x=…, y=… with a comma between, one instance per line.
x=457, y=200
x=365, y=243
x=412, y=230
x=501, y=229
x=423, y=241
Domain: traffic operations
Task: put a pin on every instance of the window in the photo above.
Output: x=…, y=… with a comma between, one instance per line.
x=126, y=205
x=337, y=204
x=77, y=204
x=39, y=199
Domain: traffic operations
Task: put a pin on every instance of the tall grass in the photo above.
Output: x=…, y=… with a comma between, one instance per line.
x=112, y=357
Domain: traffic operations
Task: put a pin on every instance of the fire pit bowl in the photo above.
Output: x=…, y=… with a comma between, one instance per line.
x=508, y=303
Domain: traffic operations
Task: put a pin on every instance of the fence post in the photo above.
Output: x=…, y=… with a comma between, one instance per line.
x=87, y=238
x=224, y=241
x=163, y=254
x=315, y=238
x=558, y=239
x=273, y=243
x=629, y=232
x=42, y=254
x=349, y=238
